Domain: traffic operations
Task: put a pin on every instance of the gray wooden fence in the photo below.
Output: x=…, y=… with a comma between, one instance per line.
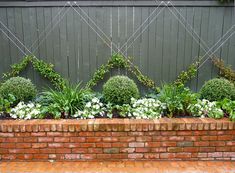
x=162, y=51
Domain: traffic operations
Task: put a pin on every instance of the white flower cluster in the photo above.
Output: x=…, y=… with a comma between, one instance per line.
x=25, y=111
x=147, y=108
x=91, y=109
x=205, y=108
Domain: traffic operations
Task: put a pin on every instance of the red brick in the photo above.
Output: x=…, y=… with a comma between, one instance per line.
x=95, y=150
x=151, y=155
x=200, y=133
x=103, y=145
x=77, y=139
x=39, y=145
x=61, y=139
x=184, y=133
x=86, y=133
x=126, y=139
x=71, y=145
x=176, y=138
x=47, y=150
x=119, y=156
x=30, y=139
x=8, y=156
x=143, y=138
x=110, y=139
x=209, y=138
x=103, y=133
x=87, y=145
x=174, y=149
x=207, y=149
x=217, y=143
x=79, y=150
x=6, y=134
x=88, y=156
x=168, y=144
x=223, y=148
x=191, y=149
x=192, y=138
x=103, y=156
x=72, y=156
x=135, y=156
x=142, y=150
x=168, y=133
x=159, y=149
x=119, y=145
x=127, y=150
x=63, y=150
x=118, y=134
x=38, y=134
x=225, y=138
x=16, y=140
x=24, y=156
x=230, y=143
x=23, y=145
x=202, y=143
x=55, y=145
x=93, y=139
x=41, y=156
x=136, y=144
x=152, y=144
x=54, y=134
x=182, y=155
x=45, y=139
x=167, y=155
x=215, y=154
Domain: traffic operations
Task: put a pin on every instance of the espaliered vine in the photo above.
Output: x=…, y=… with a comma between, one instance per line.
x=224, y=71
x=45, y=69
x=116, y=61
x=185, y=76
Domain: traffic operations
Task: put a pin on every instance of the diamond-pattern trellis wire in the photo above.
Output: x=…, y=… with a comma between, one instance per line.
x=110, y=43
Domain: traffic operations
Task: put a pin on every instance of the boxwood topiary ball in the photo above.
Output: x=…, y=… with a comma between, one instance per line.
x=119, y=90
x=217, y=89
x=23, y=89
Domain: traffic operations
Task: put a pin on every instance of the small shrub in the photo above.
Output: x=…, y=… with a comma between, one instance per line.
x=218, y=89
x=22, y=89
x=119, y=90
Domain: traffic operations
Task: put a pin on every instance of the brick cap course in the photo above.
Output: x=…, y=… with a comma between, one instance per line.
x=68, y=125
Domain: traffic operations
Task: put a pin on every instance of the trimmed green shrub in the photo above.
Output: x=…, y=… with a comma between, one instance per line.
x=22, y=89
x=218, y=89
x=119, y=90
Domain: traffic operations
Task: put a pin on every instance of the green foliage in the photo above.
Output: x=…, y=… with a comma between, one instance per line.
x=203, y=108
x=217, y=89
x=224, y=71
x=229, y=107
x=22, y=89
x=45, y=69
x=177, y=99
x=118, y=60
x=65, y=102
x=6, y=103
x=185, y=76
x=119, y=90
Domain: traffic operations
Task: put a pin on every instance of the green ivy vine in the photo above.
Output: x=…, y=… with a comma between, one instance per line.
x=224, y=71
x=185, y=76
x=45, y=69
x=118, y=60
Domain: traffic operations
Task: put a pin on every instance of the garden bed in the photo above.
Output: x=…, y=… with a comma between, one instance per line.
x=117, y=139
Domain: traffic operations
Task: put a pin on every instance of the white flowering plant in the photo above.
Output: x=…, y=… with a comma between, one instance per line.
x=205, y=108
x=26, y=111
x=92, y=109
x=147, y=108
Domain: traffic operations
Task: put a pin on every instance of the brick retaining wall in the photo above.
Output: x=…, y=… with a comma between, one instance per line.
x=117, y=139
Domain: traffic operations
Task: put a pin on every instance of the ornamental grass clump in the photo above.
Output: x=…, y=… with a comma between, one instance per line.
x=21, y=88
x=119, y=90
x=218, y=89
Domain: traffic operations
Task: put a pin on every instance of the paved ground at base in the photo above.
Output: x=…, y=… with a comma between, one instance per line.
x=119, y=167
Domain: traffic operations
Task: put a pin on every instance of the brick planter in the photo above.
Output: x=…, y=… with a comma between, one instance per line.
x=117, y=139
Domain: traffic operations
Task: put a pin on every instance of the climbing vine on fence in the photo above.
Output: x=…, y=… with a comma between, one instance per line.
x=224, y=71
x=187, y=75
x=118, y=60
x=45, y=69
